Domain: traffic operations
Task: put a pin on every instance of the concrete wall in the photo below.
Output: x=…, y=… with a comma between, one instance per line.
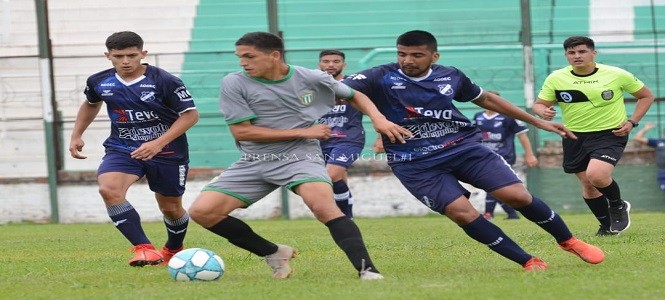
x=375, y=196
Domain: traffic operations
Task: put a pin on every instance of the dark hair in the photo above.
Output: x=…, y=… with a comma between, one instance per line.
x=575, y=41
x=123, y=40
x=266, y=42
x=418, y=38
x=332, y=52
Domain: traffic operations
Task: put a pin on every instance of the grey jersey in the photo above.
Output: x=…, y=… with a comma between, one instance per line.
x=296, y=101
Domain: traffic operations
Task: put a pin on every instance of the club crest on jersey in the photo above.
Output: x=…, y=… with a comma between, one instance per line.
x=307, y=98
x=445, y=89
x=607, y=95
x=147, y=96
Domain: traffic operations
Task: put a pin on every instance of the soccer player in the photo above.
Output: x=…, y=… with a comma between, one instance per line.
x=271, y=109
x=498, y=133
x=445, y=147
x=659, y=145
x=347, y=137
x=592, y=105
x=150, y=111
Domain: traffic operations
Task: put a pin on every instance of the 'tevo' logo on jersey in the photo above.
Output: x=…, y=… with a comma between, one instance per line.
x=434, y=113
x=132, y=116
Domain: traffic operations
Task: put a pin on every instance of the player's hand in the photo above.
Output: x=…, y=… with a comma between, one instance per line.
x=557, y=128
x=530, y=160
x=377, y=147
x=317, y=131
x=147, y=150
x=547, y=114
x=624, y=130
x=391, y=130
x=75, y=147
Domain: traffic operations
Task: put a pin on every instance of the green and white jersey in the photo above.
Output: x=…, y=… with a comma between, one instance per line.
x=296, y=101
x=592, y=102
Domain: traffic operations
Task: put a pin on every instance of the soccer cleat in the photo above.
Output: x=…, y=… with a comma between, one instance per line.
x=587, y=252
x=145, y=254
x=535, y=264
x=367, y=274
x=604, y=230
x=168, y=253
x=620, y=217
x=279, y=261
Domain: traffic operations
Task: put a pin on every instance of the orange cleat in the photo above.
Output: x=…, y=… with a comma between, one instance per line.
x=535, y=264
x=168, y=253
x=145, y=254
x=587, y=252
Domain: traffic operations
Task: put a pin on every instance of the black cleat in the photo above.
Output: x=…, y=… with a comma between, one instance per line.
x=620, y=217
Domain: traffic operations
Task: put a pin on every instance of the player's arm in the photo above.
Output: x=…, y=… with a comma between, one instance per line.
x=544, y=109
x=499, y=104
x=393, y=131
x=530, y=158
x=149, y=149
x=639, y=137
x=644, y=98
x=86, y=114
x=246, y=131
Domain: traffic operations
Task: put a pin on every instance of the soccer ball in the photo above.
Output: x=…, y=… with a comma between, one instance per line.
x=196, y=264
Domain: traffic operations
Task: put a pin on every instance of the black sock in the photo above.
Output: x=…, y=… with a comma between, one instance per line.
x=491, y=235
x=128, y=222
x=613, y=194
x=599, y=209
x=347, y=236
x=541, y=214
x=176, y=231
x=342, y=196
x=241, y=235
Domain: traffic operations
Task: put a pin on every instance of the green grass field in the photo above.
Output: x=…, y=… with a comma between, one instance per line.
x=421, y=258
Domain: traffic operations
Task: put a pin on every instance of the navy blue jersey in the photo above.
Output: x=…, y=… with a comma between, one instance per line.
x=346, y=123
x=422, y=105
x=498, y=132
x=142, y=110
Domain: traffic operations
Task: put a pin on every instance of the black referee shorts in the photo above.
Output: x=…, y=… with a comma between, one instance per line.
x=601, y=145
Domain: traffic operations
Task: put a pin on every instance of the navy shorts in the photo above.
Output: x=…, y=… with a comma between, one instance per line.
x=601, y=145
x=163, y=178
x=341, y=154
x=436, y=181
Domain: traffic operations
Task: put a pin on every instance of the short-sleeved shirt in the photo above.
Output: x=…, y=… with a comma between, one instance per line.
x=296, y=101
x=346, y=124
x=591, y=102
x=142, y=110
x=498, y=132
x=422, y=105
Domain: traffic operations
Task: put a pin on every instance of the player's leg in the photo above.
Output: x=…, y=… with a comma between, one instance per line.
x=346, y=234
x=599, y=174
x=491, y=173
x=490, y=205
x=510, y=212
x=339, y=157
x=340, y=187
x=116, y=174
x=238, y=187
x=443, y=193
x=168, y=182
x=597, y=203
